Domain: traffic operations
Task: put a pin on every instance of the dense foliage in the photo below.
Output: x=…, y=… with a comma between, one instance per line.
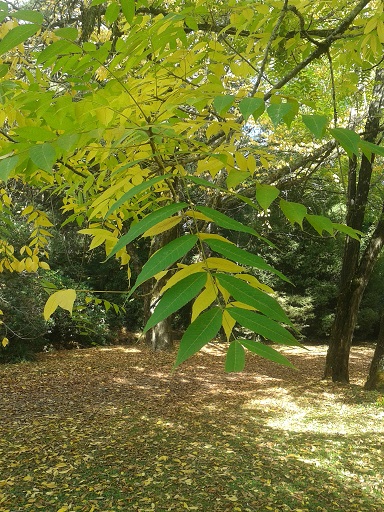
x=174, y=135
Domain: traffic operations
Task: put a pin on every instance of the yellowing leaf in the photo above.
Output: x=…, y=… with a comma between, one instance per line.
x=210, y=236
x=5, y=342
x=44, y=265
x=223, y=265
x=197, y=215
x=205, y=299
x=181, y=274
x=228, y=324
x=62, y=298
x=162, y=226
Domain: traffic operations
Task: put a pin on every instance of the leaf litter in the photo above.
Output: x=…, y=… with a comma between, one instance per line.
x=110, y=429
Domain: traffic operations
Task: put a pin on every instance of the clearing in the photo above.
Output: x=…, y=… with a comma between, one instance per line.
x=110, y=429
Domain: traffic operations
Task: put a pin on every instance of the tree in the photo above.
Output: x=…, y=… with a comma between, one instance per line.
x=132, y=117
x=356, y=268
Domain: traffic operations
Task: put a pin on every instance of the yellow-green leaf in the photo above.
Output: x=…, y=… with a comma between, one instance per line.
x=63, y=298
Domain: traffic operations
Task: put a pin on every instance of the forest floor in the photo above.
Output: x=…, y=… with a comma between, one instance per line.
x=111, y=429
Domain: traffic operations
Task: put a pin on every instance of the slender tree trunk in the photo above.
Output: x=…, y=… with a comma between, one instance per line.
x=160, y=336
x=375, y=378
x=355, y=274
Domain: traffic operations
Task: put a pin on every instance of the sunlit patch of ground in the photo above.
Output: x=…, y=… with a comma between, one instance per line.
x=115, y=429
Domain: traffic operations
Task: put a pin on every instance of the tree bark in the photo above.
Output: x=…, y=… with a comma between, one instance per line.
x=356, y=272
x=375, y=378
x=337, y=361
x=160, y=336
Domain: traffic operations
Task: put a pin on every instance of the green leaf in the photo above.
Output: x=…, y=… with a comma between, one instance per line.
x=60, y=47
x=251, y=107
x=343, y=228
x=224, y=221
x=4, y=68
x=247, y=294
x=165, y=257
x=199, y=333
x=266, y=194
x=128, y=8
x=35, y=134
x=278, y=112
x=262, y=325
x=235, y=360
x=223, y=103
x=266, y=352
x=143, y=225
x=295, y=212
x=69, y=33
x=43, y=155
x=27, y=15
x=17, y=36
x=236, y=177
x=316, y=124
x=320, y=223
x=7, y=165
x=135, y=191
x=368, y=148
x=176, y=297
x=112, y=12
x=348, y=139
x=3, y=11
x=97, y=2
x=242, y=257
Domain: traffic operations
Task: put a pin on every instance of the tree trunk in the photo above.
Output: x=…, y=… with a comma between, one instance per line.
x=160, y=336
x=375, y=378
x=354, y=274
x=348, y=307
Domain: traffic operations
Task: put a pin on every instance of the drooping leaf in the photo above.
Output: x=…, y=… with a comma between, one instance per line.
x=176, y=297
x=128, y=8
x=262, y=325
x=368, y=148
x=70, y=33
x=43, y=155
x=165, y=257
x=55, y=49
x=343, y=228
x=243, y=292
x=35, y=134
x=223, y=103
x=164, y=225
x=224, y=221
x=235, y=359
x=7, y=165
x=266, y=352
x=316, y=124
x=135, y=191
x=241, y=256
x=295, y=212
x=320, y=223
x=251, y=107
x=266, y=194
x=28, y=15
x=348, y=139
x=199, y=333
x=63, y=298
x=278, y=111
x=112, y=12
x=17, y=36
x=143, y=225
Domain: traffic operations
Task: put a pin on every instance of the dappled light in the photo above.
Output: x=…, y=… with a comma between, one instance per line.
x=122, y=431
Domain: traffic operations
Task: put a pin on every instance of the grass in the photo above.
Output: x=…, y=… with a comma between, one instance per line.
x=112, y=429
